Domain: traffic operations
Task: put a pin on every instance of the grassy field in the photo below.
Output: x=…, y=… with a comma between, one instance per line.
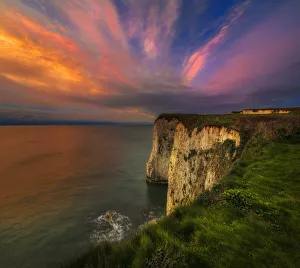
x=250, y=219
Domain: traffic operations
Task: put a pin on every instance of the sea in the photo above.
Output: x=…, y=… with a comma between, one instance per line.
x=64, y=189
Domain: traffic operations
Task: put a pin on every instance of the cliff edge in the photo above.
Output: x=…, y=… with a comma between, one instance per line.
x=191, y=153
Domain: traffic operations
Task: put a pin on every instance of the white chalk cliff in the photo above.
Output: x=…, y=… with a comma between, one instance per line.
x=157, y=167
x=191, y=155
x=190, y=162
x=198, y=161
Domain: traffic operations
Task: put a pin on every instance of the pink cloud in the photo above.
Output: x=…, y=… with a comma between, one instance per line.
x=267, y=49
x=197, y=61
x=152, y=24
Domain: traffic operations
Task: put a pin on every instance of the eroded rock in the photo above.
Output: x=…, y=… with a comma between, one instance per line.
x=157, y=167
x=198, y=161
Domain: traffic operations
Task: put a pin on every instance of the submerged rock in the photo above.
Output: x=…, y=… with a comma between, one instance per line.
x=110, y=226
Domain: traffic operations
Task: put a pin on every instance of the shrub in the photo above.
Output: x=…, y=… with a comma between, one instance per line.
x=283, y=133
x=186, y=230
x=237, y=198
x=167, y=255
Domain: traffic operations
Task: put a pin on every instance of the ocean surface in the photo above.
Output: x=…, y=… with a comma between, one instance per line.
x=58, y=183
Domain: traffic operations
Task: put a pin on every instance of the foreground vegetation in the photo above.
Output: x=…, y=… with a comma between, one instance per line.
x=250, y=219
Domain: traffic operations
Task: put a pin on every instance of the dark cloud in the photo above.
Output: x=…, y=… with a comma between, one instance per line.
x=189, y=102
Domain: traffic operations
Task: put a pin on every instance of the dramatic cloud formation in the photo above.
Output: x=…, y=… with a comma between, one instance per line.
x=128, y=60
x=197, y=61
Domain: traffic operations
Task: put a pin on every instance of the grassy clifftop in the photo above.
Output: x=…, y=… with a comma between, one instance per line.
x=250, y=219
x=192, y=121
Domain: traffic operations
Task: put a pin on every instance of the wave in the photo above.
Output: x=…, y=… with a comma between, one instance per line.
x=113, y=227
x=110, y=226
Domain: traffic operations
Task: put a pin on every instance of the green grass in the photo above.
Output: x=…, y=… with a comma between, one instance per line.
x=250, y=219
x=240, y=122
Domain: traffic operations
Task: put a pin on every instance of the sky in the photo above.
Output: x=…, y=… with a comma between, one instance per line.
x=130, y=60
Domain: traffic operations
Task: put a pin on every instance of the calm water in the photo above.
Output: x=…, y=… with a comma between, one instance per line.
x=57, y=182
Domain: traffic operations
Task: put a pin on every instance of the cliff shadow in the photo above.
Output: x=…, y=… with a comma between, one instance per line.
x=157, y=195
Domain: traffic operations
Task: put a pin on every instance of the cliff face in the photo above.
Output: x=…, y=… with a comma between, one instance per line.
x=189, y=162
x=193, y=152
x=198, y=160
x=157, y=167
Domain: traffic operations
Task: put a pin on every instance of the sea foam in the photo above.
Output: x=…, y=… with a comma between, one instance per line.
x=110, y=226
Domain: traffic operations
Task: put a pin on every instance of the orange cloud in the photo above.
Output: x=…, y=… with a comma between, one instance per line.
x=44, y=54
x=52, y=66
x=97, y=61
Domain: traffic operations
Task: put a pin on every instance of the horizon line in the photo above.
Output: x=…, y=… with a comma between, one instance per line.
x=66, y=123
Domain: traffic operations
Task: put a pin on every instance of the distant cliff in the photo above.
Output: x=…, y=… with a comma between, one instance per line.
x=193, y=152
x=268, y=111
